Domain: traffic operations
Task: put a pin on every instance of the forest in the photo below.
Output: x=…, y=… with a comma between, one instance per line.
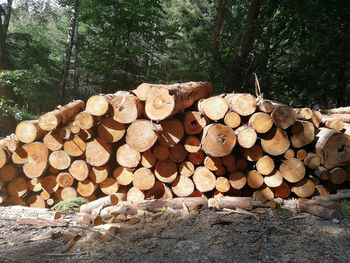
x=55, y=51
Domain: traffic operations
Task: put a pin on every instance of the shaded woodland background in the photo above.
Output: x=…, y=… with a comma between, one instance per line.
x=52, y=52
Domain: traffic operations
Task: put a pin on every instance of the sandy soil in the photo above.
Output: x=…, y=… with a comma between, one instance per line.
x=202, y=236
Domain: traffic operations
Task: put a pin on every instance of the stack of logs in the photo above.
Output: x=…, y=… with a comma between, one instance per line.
x=143, y=144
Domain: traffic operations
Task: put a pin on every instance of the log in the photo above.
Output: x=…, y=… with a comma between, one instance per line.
x=79, y=169
x=283, y=116
x=214, y=108
x=275, y=142
x=222, y=184
x=316, y=118
x=261, y=122
x=68, y=193
x=333, y=148
x=289, y=154
x=60, y=160
x=338, y=175
x=51, y=120
x=86, y=135
x=4, y=157
x=17, y=212
x=143, y=179
x=98, y=152
x=99, y=203
x=65, y=132
x=148, y=159
x=128, y=157
x=322, y=190
x=36, y=201
x=246, y=136
x=254, y=179
x=186, y=168
x=88, y=219
x=142, y=90
x=182, y=186
x=171, y=132
x=17, y=187
x=192, y=144
x=161, y=152
x=126, y=107
x=159, y=191
x=194, y=122
x=85, y=120
x=165, y=101
x=237, y=180
x=192, y=203
x=178, y=153
x=34, y=185
x=11, y=142
x=86, y=188
x=64, y=179
x=242, y=103
x=109, y=186
x=218, y=140
x=49, y=184
x=29, y=131
x=110, y=130
x=37, y=160
x=73, y=128
x=196, y=158
x=8, y=172
x=265, y=105
x=135, y=195
x=273, y=179
x=336, y=125
x=204, y=179
x=265, y=165
x=303, y=113
x=165, y=171
x=301, y=154
x=124, y=176
x=212, y=163
x=234, y=202
x=322, y=173
x=282, y=191
x=44, y=195
x=141, y=135
x=317, y=210
x=303, y=133
x=228, y=160
x=253, y=154
x=221, y=171
x=304, y=188
x=75, y=146
x=99, y=105
x=14, y=200
x=263, y=194
x=293, y=170
x=241, y=164
x=312, y=160
x=53, y=141
x=98, y=174
x=232, y=119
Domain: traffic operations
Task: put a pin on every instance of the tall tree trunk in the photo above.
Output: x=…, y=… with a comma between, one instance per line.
x=239, y=75
x=7, y=122
x=7, y=17
x=219, y=19
x=68, y=52
x=343, y=66
x=76, y=61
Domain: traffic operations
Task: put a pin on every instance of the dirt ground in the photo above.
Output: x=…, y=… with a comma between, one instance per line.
x=206, y=235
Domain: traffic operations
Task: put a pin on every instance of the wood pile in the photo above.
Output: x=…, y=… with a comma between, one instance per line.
x=165, y=141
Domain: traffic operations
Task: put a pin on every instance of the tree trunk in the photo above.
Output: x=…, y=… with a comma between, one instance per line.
x=67, y=54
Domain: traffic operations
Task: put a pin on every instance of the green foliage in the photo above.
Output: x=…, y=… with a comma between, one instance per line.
x=71, y=204
x=345, y=206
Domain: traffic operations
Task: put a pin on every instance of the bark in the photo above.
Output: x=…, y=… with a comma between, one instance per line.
x=67, y=54
x=219, y=20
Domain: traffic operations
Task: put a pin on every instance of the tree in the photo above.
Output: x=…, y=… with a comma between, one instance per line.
x=7, y=121
x=68, y=52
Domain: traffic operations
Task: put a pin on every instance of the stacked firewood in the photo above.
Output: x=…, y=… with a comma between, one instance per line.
x=157, y=142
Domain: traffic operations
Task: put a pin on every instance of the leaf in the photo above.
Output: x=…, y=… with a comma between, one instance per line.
x=163, y=209
x=242, y=211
